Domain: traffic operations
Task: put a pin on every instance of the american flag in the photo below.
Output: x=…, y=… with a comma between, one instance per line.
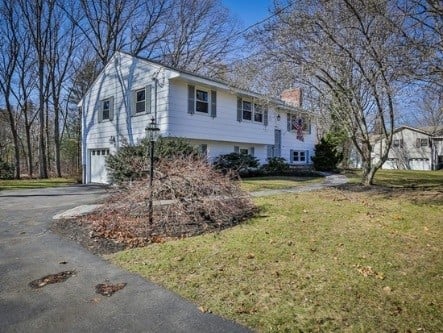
x=297, y=124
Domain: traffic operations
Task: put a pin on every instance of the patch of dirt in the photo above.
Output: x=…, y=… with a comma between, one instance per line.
x=51, y=278
x=80, y=231
x=108, y=289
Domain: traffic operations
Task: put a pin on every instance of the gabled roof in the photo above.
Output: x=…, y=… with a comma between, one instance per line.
x=433, y=130
x=198, y=78
x=401, y=128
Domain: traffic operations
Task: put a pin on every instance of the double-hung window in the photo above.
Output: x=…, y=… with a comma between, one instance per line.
x=247, y=110
x=141, y=101
x=295, y=121
x=201, y=101
x=106, y=109
x=299, y=156
x=398, y=143
x=258, y=113
x=422, y=142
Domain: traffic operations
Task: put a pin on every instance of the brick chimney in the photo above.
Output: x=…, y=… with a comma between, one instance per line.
x=292, y=96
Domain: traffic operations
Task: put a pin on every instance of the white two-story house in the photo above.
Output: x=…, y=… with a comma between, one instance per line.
x=219, y=118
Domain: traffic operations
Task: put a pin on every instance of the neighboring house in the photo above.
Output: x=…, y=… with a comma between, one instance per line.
x=218, y=118
x=412, y=149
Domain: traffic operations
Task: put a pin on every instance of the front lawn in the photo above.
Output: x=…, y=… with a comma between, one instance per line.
x=15, y=184
x=409, y=178
x=273, y=183
x=321, y=261
x=402, y=178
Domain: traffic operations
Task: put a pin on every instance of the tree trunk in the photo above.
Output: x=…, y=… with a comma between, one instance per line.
x=29, y=149
x=368, y=175
x=48, y=136
x=15, y=139
x=57, y=139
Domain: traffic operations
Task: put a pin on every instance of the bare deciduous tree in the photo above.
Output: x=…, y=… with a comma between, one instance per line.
x=350, y=57
x=431, y=107
x=201, y=35
x=9, y=51
x=37, y=17
x=423, y=32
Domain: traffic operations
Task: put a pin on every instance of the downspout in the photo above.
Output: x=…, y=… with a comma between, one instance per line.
x=155, y=98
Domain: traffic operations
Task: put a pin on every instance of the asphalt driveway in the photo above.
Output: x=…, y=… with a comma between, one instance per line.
x=29, y=251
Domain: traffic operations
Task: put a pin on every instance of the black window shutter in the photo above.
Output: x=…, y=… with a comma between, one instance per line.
x=265, y=116
x=239, y=109
x=191, y=98
x=213, y=103
x=291, y=156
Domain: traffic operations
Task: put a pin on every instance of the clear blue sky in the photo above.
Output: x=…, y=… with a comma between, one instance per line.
x=249, y=11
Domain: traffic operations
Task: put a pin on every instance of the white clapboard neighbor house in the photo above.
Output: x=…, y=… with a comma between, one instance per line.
x=211, y=114
x=411, y=149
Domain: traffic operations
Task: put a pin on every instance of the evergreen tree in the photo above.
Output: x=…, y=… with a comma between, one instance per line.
x=326, y=156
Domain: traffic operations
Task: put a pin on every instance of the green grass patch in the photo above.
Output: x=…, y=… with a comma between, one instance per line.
x=320, y=261
x=15, y=184
x=409, y=178
x=273, y=183
x=401, y=178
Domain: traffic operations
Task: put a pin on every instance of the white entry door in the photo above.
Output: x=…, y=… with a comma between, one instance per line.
x=98, y=172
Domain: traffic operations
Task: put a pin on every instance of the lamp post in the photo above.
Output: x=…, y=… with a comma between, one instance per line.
x=152, y=133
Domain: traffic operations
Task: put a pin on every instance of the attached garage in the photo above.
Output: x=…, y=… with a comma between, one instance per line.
x=97, y=166
x=419, y=164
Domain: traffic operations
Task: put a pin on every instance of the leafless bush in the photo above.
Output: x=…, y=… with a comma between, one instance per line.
x=190, y=198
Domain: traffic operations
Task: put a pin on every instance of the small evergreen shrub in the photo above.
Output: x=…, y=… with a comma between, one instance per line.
x=238, y=163
x=131, y=162
x=326, y=156
x=275, y=166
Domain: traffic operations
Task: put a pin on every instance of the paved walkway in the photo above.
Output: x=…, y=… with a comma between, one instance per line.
x=29, y=251
x=329, y=181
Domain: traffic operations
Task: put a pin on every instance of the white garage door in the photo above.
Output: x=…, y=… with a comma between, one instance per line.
x=419, y=164
x=98, y=172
